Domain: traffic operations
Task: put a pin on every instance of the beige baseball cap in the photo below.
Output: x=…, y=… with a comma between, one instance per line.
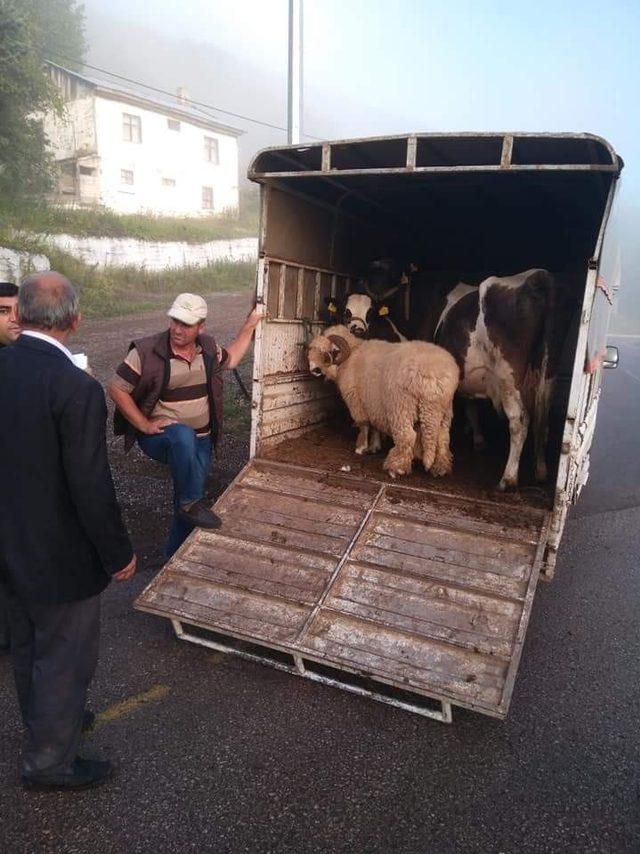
x=188, y=308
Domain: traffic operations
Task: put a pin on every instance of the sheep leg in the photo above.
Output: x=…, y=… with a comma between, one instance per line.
x=399, y=459
x=375, y=441
x=362, y=442
x=443, y=463
x=429, y=417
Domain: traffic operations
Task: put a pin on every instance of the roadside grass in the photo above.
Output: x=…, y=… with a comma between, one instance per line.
x=100, y=222
x=236, y=409
x=117, y=291
x=113, y=291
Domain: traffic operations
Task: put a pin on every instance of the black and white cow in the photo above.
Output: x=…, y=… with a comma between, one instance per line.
x=500, y=333
x=375, y=310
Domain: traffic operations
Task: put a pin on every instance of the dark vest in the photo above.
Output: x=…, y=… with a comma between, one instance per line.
x=154, y=354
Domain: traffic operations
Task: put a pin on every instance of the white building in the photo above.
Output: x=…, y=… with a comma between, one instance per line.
x=132, y=154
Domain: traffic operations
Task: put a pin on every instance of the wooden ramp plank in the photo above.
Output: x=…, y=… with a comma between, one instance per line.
x=422, y=591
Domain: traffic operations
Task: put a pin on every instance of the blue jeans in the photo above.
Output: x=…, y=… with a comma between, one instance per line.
x=188, y=457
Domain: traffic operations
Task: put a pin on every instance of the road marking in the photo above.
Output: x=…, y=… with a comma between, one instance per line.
x=629, y=374
x=131, y=704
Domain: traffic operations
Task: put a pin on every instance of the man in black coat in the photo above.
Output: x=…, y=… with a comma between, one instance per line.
x=61, y=532
x=9, y=332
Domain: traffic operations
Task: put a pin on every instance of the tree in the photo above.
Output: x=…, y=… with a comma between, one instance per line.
x=30, y=31
x=61, y=31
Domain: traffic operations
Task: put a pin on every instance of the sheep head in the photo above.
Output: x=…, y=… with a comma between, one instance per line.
x=329, y=350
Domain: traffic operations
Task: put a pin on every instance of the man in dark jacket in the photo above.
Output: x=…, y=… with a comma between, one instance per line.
x=168, y=392
x=9, y=332
x=61, y=531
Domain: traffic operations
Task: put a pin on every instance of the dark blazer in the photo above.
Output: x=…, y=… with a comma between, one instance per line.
x=61, y=531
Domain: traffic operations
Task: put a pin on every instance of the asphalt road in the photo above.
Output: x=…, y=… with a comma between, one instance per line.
x=216, y=754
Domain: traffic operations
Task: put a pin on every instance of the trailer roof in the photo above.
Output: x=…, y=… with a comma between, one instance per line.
x=439, y=152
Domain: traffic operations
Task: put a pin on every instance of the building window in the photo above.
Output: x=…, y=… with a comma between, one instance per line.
x=126, y=176
x=168, y=182
x=87, y=170
x=131, y=128
x=211, y=150
x=173, y=124
x=207, y=198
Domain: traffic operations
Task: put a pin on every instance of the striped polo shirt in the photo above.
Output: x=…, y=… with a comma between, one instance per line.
x=185, y=398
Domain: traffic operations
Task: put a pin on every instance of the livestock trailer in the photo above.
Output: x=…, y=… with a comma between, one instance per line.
x=417, y=591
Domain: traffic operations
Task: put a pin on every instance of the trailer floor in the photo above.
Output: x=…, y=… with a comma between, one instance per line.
x=475, y=473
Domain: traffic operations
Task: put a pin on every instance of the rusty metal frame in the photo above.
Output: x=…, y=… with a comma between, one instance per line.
x=577, y=398
x=298, y=668
x=410, y=167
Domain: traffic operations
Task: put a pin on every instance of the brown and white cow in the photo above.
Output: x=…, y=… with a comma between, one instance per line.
x=500, y=336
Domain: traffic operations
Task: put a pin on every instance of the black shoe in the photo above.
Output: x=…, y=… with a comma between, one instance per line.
x=199, y=515
x=88, y=721
x=84, y=774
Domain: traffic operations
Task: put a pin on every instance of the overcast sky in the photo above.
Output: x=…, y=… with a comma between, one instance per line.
x=432, y=65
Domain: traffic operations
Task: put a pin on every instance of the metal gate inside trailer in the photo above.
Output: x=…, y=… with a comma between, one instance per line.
x=336, y=578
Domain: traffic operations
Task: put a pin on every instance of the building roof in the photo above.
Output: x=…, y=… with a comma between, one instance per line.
x=169, y=105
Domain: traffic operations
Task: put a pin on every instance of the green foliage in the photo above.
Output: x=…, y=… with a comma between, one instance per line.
x=99, y=222
x=25, y=167
x=61, y=24
x=113, y=291
x=236, y=409
x=29, y=29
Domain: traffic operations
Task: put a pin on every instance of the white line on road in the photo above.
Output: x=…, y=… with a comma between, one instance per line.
x=629, y=374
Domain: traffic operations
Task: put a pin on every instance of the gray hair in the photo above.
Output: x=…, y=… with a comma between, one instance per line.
x=47, y=301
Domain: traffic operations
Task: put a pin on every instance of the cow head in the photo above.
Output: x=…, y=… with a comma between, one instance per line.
x=329, y=350
x=360, y=311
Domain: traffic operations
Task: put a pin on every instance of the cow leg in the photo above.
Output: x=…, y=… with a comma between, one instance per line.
x=400, y=458
x=362, y=442
x=443, y=463
x=518, y=428
x=541, y=428
x=472, y=412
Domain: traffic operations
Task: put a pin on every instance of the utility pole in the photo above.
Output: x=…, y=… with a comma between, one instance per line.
x=294, y=103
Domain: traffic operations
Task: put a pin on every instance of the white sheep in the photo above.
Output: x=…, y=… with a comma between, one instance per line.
x=403, y=389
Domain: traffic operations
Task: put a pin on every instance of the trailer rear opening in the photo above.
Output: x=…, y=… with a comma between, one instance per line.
x=323, y=566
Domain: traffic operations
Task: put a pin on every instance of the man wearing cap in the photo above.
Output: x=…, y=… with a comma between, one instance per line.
x=168, y=394
x=9, y=332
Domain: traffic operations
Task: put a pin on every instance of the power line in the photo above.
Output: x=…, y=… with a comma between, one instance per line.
x=192, y=103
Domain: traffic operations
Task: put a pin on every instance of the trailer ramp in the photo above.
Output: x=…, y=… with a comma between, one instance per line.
x=335, y=578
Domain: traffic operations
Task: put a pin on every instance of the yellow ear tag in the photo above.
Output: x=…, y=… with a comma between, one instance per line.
x=404, y=280
x=384, y=310
x=332, y=307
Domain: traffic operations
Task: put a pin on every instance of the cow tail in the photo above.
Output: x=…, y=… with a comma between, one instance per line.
x=546, y=348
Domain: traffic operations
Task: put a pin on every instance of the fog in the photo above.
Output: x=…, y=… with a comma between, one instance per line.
x=374, y=67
